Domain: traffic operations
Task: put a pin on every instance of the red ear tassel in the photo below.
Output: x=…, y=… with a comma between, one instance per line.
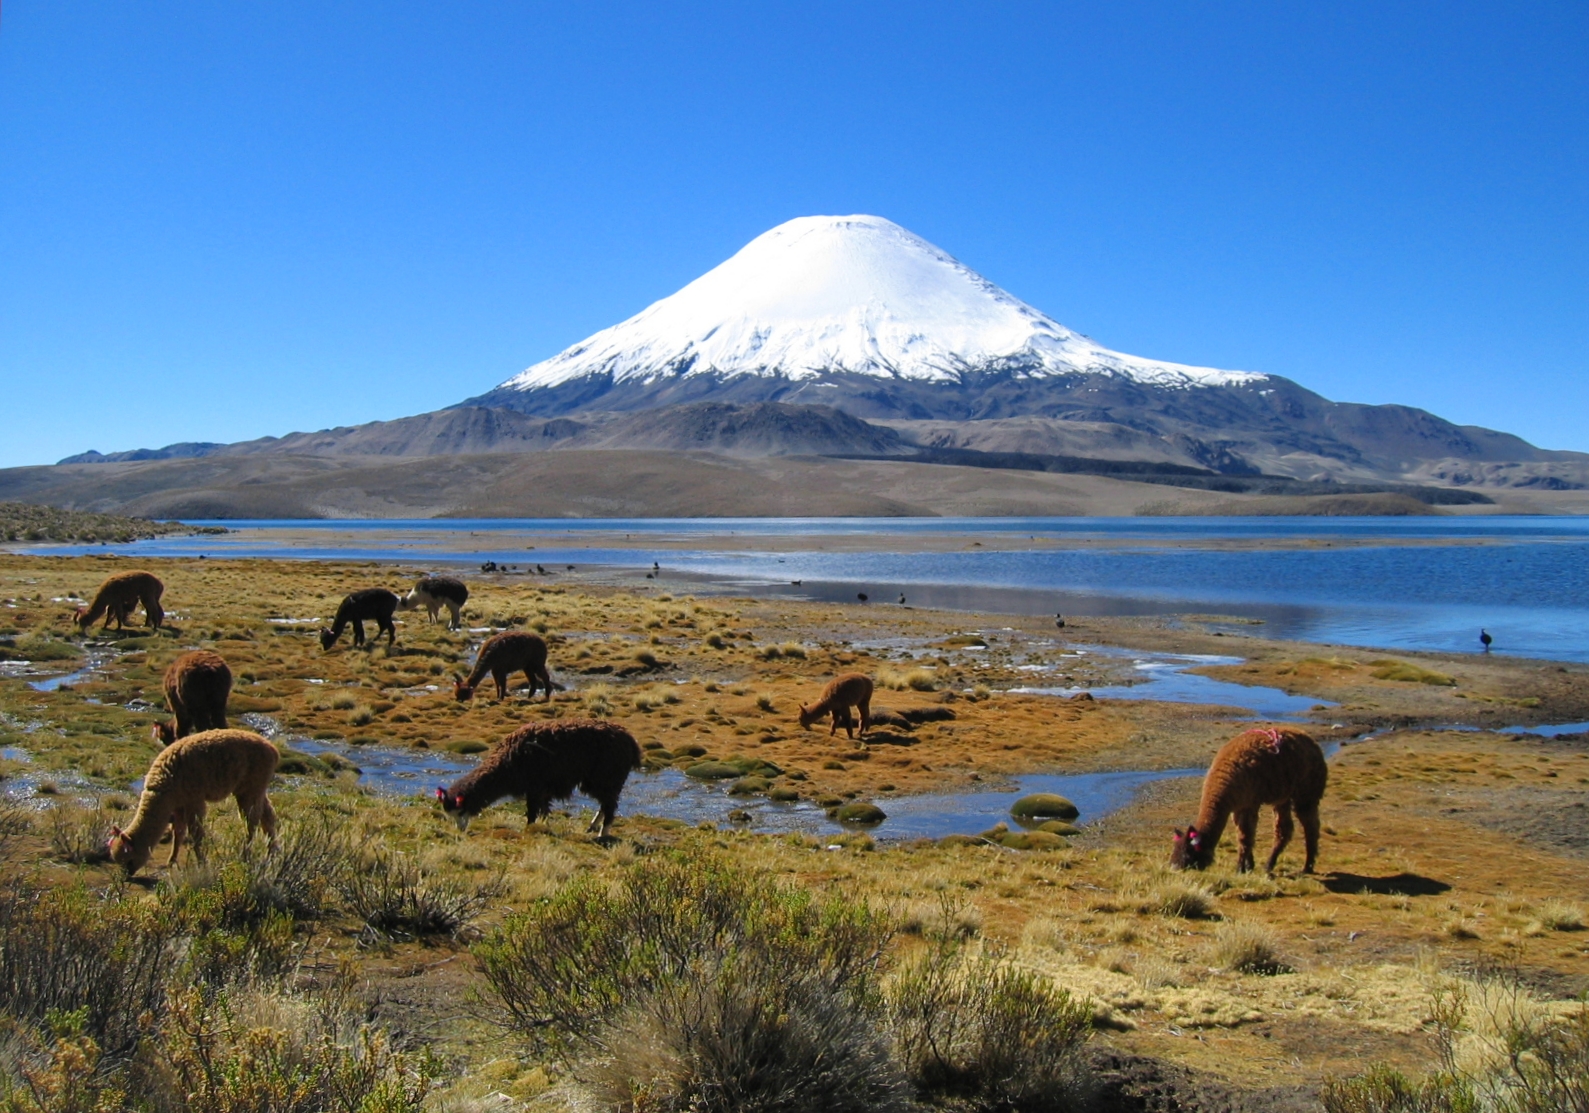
x=458, y=801
x=441, y=794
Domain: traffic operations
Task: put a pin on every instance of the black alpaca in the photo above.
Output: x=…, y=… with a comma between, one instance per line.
x=375, y=604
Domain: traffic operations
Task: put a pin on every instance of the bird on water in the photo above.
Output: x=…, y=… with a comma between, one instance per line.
x=1484, y=636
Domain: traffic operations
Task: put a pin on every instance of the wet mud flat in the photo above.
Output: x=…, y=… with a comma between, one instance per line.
x=1434, y=865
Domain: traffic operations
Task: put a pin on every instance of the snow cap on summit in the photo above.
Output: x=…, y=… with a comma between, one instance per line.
x=853, y=294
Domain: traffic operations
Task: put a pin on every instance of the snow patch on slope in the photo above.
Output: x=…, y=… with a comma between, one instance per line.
x=847, y=293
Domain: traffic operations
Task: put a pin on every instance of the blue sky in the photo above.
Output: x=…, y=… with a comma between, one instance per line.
x=220, y=221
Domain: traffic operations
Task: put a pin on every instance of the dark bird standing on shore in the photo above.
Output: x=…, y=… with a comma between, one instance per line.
x=861, y=595
x=1484, y=636
x=1059, y=621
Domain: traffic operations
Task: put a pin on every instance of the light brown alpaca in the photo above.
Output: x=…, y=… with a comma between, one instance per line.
x=117, y=597
x=1279, y=766
x=197, y=685
x=185, y=778
x=502, y=655
x=842, y=693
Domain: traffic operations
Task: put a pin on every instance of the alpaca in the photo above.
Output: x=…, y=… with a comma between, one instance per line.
x=502, y=655
x=196, y=685
x=117, y=597
x=1281, y=767
x=435, y=592
x=373, y=603
x=184, y=779
x=843, y=692
x=543, y=762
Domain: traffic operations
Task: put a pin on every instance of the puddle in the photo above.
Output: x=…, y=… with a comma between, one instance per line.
x=51, y=683
x=1549, y=730
x=69, y=786
x=1166, y=680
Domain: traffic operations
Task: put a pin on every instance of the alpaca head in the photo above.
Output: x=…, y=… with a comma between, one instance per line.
x=1189, y=850
x=452, y=804
x=327, y=638
x=124, y=853
x=80, y=616
x=807, y=717
x=462, y=692
x=164, y=733
x=407, y=602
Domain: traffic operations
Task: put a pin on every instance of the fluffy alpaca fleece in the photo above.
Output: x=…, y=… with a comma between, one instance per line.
x=184, y=779
x=372, y=603
x=435, y=592
x=502, y=655
x=197, y=685
x=842, y=693
x=1278, y=766
x=119, y=595
x=543, y=762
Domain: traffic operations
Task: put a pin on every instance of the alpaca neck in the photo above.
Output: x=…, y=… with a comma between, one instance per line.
x=484, y=787
x=1211, y=820
x=149, y=825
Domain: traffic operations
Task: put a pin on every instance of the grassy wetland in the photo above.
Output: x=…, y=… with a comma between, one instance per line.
x=381, y=960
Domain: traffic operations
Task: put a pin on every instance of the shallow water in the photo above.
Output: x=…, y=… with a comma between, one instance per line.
x=1525, y=586
x=1165, y=679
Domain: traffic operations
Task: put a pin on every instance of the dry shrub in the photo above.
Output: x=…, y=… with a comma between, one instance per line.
x=15, y=821
x=1247, y=948
x=686, y=984
x=1180, y=898
x=978, y=1033
x=1560, y=915
x=918, y=679
x=598, y=700
x=234, y=887
x=398, y=899
x=78, y=835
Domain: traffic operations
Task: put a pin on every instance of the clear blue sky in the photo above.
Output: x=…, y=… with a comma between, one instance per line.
x=220, y=221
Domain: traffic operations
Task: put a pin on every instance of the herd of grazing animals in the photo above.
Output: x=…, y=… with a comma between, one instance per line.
x=204, y=762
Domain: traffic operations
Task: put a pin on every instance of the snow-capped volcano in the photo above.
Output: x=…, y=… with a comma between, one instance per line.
x=826, y=295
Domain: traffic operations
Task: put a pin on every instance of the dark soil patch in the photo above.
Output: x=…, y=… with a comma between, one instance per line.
x=1139, y=1084
x=1556, y=820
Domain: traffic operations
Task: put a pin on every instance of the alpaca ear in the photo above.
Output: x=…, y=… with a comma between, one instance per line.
x=115, y=832
x=457, y=801
x=441, y=794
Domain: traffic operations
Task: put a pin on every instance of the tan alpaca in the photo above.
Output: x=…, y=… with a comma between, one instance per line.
x=197, y=685
x=184, y=779
x=1279, y=766
x=842, y=693
x=117, y=597
x=502, y=655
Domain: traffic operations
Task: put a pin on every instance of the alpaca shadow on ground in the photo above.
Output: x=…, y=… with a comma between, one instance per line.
x=888, y=738
x=1396, y=885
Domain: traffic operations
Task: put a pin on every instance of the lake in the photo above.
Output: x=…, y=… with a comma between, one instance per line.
x=1412, y=583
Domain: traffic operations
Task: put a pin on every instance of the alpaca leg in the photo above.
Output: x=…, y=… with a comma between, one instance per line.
x=391, y=631
x=546, y=679
x=457, y=616
x=179, y=828
x=501, y=679
x=1310, y=835
x=865, y=707
x=1246, y=833
x=195, y=832
x=358, y=631
x=1283, y=829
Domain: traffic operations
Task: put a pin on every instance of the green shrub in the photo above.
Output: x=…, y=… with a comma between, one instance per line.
x=77, y=835
x=981, y=1034
x=1391, y=669
x=689, y=984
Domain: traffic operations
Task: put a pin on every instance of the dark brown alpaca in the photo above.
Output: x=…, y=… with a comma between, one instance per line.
x=842, y=693
x=502, y=655
x=1281, y=767
x=374, y=604
x=119, y=595
x=197, y=685
x=543, y=762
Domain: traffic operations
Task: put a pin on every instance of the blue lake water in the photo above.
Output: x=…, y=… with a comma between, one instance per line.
x=1415, y=583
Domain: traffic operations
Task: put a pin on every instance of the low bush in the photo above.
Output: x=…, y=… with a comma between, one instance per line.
x=1247, y=948
x=78, y=835
x=397, y=899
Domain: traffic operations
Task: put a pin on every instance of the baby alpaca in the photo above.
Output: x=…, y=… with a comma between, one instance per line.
x=1281, y=767
x=435, y=592
x=197, y=685
x=543, y=762
x=372, y=603
x=502, y=655
x=184, y=779
x=117, y=597
x=842, y=693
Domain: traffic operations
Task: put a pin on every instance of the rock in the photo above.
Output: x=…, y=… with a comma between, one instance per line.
x=712, y=771
x=859, y=812
x=1044, y=805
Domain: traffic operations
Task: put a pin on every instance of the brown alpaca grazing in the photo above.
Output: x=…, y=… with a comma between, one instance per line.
x=435, y=592
x=543, y=762
x=502, y=655
x=184, y=779
x=842, y=693
x=197, y=685
x=374, y=604
x=119, y=595
x=1279, y=766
